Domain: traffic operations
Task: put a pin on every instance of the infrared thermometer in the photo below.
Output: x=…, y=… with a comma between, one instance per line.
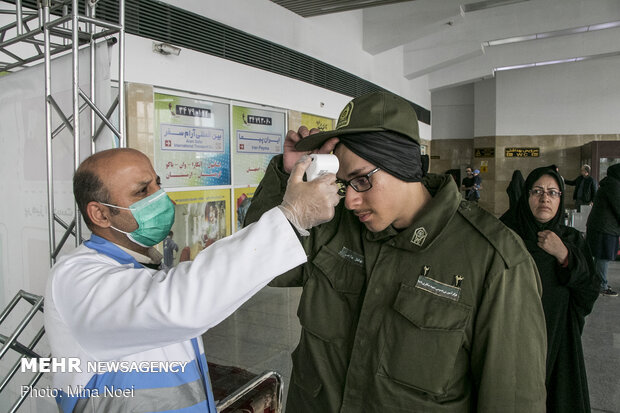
x=322, y=164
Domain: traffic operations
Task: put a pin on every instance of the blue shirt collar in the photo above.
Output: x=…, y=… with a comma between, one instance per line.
x=105, y=247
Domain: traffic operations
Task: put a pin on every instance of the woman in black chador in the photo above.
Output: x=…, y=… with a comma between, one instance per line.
x=515, y=188
x=570, y=285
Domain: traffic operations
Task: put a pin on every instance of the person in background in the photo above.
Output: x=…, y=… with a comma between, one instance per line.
x=603, y=226
x=467, y=184
x=243, y=203
x=425, y=163
x=106, y=301
x=557, y=169
x=414, y=300
x=569, y=281
x=515, y=188
x=212, y=227
x=471, y=184
x=169, y=247
x=475, y=192
x=585, y=188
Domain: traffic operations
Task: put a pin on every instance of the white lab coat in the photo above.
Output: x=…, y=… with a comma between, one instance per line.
x=98, y=309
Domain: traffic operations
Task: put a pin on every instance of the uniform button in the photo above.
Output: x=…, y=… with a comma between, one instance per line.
x=377, y=291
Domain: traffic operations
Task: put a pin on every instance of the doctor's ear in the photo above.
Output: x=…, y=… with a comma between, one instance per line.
x=98, y=214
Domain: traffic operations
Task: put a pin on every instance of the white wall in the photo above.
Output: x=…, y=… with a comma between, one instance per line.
x=485, y=112
x=570, y=98
x=453, y=113
x=335, y=39
x=196, y=72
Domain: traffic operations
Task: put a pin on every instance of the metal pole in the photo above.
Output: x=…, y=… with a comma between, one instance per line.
x=90, y=12
x=108, y=115
x=17, y=364
x=121, y=74
x=41, y=5
x=45, y=13
x=20, y=327
x=75, y=29
x=18, y=10
x=62, y=241
x=99, y=113
x=30, y=386
x=65, y=12
x=10, y=307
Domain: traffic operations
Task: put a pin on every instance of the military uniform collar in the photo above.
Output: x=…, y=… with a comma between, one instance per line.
x=431, y=220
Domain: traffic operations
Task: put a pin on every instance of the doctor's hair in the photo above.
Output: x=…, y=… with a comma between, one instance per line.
x=88, y=187
x=587, y=168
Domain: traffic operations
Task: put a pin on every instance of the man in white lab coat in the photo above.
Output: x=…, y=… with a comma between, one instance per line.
x=128, y=330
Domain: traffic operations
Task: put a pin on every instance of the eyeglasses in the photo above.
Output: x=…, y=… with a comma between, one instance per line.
x=537, y=192
x=359, y=183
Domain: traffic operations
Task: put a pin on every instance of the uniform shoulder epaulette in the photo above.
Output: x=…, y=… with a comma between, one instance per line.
x=505, y=241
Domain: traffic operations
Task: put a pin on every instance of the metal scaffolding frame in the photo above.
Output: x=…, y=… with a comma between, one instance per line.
x=58, y=28
x=25, y=350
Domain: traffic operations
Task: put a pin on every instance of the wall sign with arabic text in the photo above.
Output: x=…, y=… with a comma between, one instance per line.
x=193, y=147
x=522, y=152
x=484, y=152
x=190, y=138
x=258, y=136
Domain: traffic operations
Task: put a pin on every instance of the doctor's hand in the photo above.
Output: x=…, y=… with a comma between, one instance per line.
x=308, y=204
x=292, y=155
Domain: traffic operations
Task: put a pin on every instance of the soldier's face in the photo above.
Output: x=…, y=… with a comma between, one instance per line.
x=383, y=204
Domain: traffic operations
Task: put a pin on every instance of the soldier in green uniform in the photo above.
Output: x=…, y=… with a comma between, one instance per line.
x=414, y=300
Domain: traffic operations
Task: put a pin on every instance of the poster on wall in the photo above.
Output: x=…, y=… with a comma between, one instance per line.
x=243, y=198
x=258, y=136
x=321, y=123
x=201, y=218
x=191, y=145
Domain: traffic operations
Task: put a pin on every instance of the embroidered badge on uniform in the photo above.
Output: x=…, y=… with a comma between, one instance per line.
x=352, y=256
x=465, y=205
x=345, y=116
x=419, y=236
x=437, y=287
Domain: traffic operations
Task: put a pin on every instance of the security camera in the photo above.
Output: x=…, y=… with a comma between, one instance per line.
x=166, y=49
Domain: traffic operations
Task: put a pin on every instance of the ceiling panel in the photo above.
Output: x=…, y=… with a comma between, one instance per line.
x=309, y=8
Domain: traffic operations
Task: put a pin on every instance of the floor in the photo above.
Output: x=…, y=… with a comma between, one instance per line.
x=262, y=333
x=601, y=342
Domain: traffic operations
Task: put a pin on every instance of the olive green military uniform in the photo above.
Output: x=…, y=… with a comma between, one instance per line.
x=444, y=316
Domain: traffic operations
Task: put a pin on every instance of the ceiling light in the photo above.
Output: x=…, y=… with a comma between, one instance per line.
x=555, y=33
x=555, y=62
x=482, y=5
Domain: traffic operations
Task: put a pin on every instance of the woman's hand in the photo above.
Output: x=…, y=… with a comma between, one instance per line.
x=553, y=245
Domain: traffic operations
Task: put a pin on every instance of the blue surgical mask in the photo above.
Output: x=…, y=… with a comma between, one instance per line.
x=154, y=215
